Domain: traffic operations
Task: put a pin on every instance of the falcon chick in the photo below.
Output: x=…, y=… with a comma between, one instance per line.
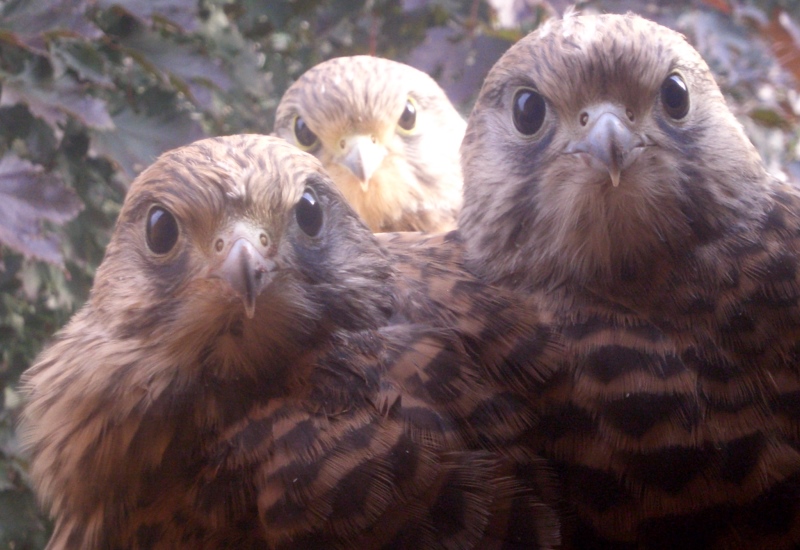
x=607, y=181
x=388, y=136
x=253, y=370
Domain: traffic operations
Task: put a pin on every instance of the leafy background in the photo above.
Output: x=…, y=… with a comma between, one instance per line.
x=91, y=91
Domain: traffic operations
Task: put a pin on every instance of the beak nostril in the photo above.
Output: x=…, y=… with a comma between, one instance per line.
x=584, y=118
x=374, y=139
x=630, y=114
x=264, y=240
x=342, y=143
x=219, y=245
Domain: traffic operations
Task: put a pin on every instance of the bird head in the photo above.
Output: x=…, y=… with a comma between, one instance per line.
x=233, y=260
x=385, y=131
x=243, y=241
x=595, y=141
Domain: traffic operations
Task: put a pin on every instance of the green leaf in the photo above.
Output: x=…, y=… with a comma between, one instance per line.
x=21, y=526
x=769, y=117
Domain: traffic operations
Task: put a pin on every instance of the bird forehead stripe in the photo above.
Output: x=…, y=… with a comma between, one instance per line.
x=232, y=169
x=590, y=54
x=373, y=88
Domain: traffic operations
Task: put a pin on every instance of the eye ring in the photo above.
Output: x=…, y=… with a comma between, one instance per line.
x=305, y=138
x=308, y=213
x=408, y=118
x=161, y=230
x=529, y=110
x=675, y=96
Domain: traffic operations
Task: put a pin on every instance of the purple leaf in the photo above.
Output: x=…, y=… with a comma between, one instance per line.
x=138, y=139
x=179, y=12
x=32, y=18
x=54, y=100
x=29, y=196
x=185, y=61
x=458, y=65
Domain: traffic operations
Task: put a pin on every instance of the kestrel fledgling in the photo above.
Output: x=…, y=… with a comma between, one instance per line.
x=388, y=136
x=607, y=181
x=253, y=369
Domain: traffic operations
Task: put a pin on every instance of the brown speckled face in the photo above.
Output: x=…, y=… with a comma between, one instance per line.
x=213, y=206
x=386, y=133
x=597, y=141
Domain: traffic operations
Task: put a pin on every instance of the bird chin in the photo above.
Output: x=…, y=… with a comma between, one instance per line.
x=222, y=300
x=253, y=305
x=600, y=173
x=249, y=307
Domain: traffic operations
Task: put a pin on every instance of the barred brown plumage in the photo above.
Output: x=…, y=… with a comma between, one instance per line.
x=607, y=182
x=255, y=370
x=388, y=136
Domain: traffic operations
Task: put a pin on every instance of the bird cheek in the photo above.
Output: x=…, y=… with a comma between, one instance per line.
x=244, y=261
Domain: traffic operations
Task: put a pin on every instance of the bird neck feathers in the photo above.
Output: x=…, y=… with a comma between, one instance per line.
x=615, y=239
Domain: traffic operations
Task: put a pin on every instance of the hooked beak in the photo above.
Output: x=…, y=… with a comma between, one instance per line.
x=609, y=139
x=243, y=254
x=362, y=155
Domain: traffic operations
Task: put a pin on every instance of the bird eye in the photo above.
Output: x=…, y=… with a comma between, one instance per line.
x=305, y=137
x=308, y=213
x=529, y=111
x=408, y=119
x=161, y=231
x=675, y=96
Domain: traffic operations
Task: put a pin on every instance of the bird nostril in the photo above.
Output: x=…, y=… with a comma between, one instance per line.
x=584, y=118
x=264, y=240
x=342, y=143
x=374, y=140
x=219, y=245
x=630, y=114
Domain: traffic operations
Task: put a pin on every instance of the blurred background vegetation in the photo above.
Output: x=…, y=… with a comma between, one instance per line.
x=91, y=91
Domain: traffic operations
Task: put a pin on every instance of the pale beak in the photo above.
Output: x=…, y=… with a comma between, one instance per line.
x=608, y=137
x=362, y=155
x=244, y=262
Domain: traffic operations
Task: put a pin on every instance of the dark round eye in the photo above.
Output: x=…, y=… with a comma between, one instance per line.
x=675, y=96
x=162, y=230
x=408, y=119
x=303, y=133
x=309, y=213
x=529, y=111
